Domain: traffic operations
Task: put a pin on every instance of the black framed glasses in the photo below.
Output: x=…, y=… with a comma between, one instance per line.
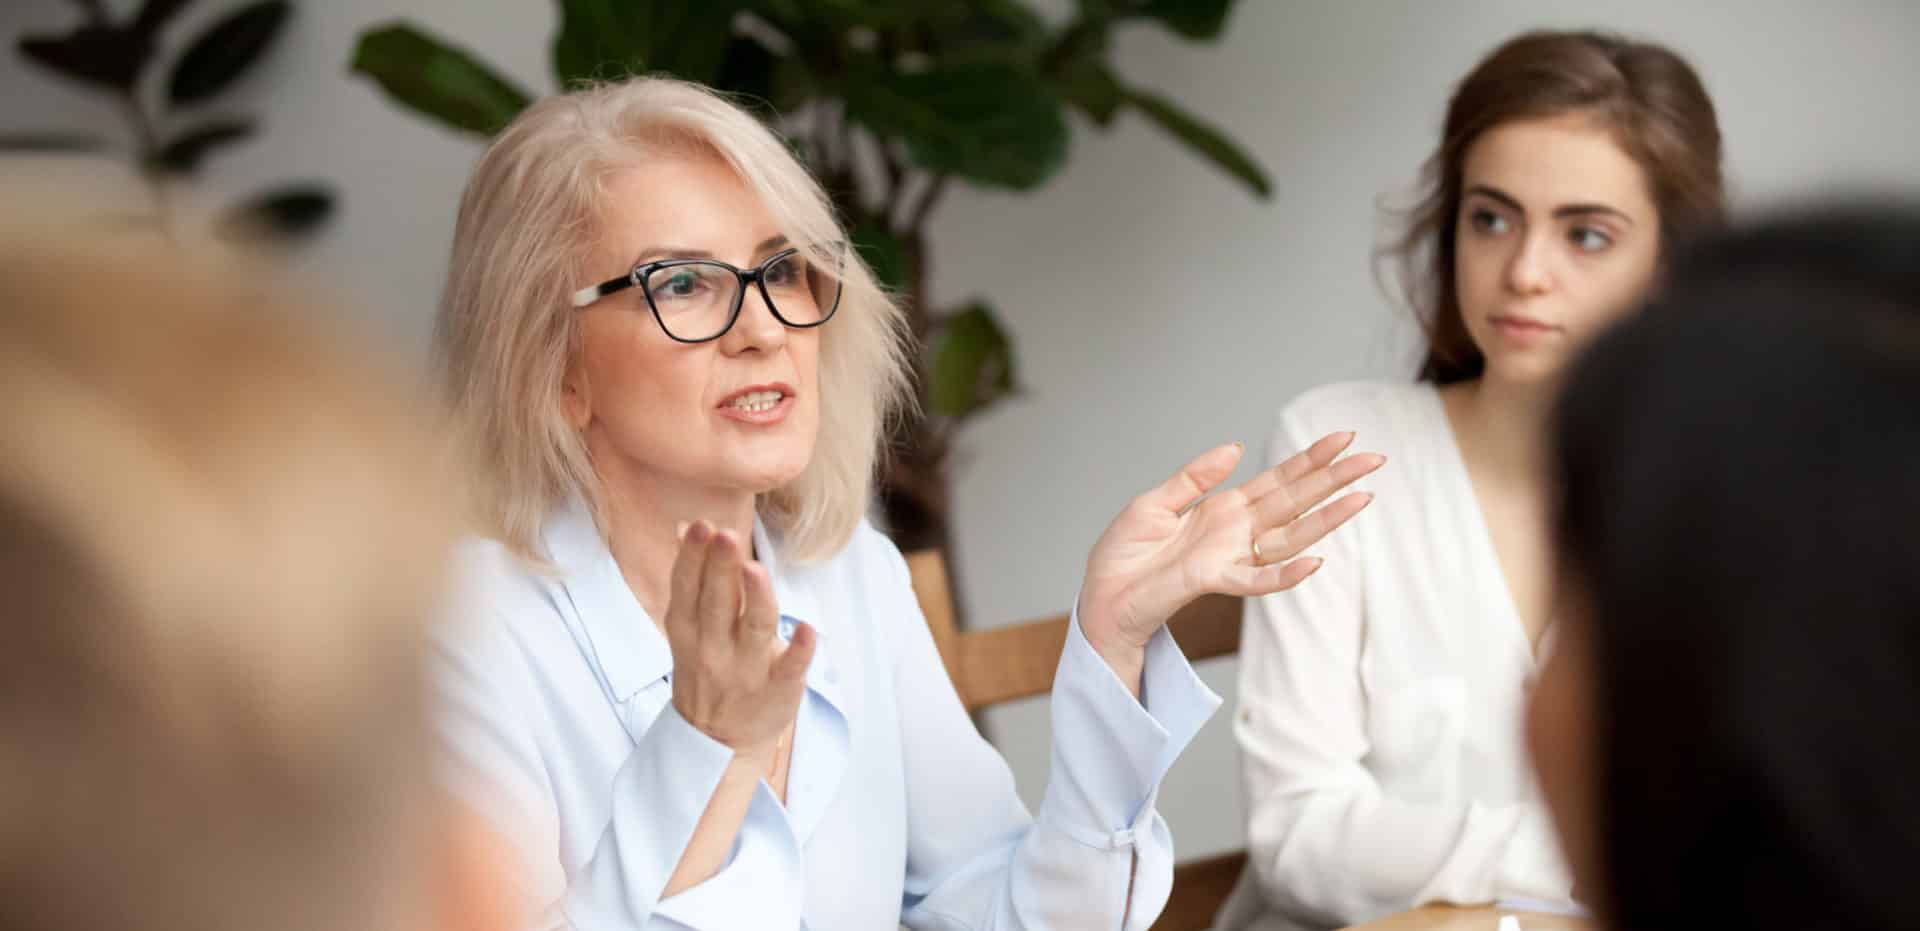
x=698, y=300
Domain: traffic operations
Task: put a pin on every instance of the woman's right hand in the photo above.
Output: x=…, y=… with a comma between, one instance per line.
x=732, y=677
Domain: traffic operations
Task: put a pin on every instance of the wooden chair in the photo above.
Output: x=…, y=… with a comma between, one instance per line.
x=1002, y=664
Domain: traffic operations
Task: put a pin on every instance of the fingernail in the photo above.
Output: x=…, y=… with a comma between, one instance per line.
x=699, y=532
x=1366, y=498
x=1314, y=563
x=1239, y=445
x=680, y=530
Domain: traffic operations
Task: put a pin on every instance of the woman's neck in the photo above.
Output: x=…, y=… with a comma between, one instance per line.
x=644, y=513
x=1501, y=428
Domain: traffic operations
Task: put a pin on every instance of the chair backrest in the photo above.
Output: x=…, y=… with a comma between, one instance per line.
x=1001, y=664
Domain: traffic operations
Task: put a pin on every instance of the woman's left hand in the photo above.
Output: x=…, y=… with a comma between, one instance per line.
x=1164, y=550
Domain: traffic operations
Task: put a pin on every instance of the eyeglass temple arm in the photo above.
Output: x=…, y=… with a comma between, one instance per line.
x=586, y=296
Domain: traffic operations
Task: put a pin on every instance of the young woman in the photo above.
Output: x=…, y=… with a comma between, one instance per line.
x=1380, y=704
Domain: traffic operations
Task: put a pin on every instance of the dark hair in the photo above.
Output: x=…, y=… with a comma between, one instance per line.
x=1738, y=500
x=1647, y=96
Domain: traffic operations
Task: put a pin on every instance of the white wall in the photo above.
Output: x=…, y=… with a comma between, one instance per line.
x=1156, y=309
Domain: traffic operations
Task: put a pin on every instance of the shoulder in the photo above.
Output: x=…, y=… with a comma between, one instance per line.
x=869, y=561
x=1351, y=400
x=496, y=599
x=486, y=571
x=1381, y=412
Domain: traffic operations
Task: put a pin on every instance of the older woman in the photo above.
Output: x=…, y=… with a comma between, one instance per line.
x=693, y=677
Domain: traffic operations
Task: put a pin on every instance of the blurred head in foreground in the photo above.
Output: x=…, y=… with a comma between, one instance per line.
x=1727, y=734
x=222, y=535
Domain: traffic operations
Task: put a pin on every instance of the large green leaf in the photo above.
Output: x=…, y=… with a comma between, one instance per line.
x=972, y=363
x=842, y=14
x=437, y=79
x=767, y=83
x=154, y=14
x=226, y=51
x=1195, y=19
x=1086, y=83
x=610, y=39
x=959, y=26
x=105, y=56
x=51, y=142
x=183, y=154
x=991, y=123
x=1203, y=139
x=277, y=216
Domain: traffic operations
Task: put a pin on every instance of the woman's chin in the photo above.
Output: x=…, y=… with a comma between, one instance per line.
x=1527, y=369
x=763, y=480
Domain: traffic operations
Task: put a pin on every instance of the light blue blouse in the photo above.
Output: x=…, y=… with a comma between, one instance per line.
x=554, y=698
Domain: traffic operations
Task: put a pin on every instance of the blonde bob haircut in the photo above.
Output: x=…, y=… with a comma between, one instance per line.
x=507, y=330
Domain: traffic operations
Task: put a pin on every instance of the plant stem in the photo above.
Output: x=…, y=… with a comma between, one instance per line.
x=928, y=200
x=822, y=158
x=896, y=183
x=846, y=139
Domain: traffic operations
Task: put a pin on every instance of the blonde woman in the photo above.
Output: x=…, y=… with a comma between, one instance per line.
x=691, y=676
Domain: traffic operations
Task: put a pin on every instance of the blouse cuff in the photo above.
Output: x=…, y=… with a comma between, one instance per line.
x=1110, y=751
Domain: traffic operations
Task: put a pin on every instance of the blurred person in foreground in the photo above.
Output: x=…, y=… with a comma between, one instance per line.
x=222, y=536
x=1727, y=737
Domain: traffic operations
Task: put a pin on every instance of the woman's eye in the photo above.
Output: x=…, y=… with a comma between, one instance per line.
x=1589, y=239
x=787, y=273
x=1487, y=221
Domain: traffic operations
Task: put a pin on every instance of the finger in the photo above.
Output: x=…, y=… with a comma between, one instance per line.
x=1289, y=540
x=689, y=565
x=1287, y=502
x=1196, y=478
x=760, y=614
x=1253, y=581
x=1299, y=464
x=720, y=588
x=791, y=665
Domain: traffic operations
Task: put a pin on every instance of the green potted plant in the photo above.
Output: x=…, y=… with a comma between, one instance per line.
x=941, y=91
x=170, y=131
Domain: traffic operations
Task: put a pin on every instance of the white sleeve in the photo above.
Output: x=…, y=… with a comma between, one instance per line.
x=1098, y=855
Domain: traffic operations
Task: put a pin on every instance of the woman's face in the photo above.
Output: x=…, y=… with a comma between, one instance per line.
x=736, y=414
x=1557, y=236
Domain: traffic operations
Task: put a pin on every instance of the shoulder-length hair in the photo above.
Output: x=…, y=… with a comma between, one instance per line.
x=1645, y=95
x=506, y=329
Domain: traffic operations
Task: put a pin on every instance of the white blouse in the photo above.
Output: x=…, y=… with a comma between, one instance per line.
x=555, y=698
x=1380, y=718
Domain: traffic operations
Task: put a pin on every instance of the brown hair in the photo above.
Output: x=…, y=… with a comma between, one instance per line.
x=1647, y=96
x=221, y=538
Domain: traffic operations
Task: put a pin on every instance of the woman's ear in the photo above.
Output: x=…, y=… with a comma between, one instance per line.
x=576, y=396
